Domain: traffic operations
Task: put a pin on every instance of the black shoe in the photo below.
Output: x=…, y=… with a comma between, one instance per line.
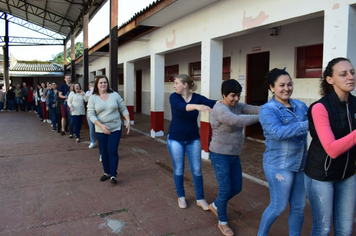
x=113, y=180
x=104, y=177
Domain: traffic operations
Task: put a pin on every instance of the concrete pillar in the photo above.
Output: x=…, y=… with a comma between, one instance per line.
x=351, y=52
x=72, y=65
x=65, y=58
x=129, y=85
x=211, y=78
x=113, y=44
x=157, y=95
x=339, y=33
x=85, y=52
x=6, y=65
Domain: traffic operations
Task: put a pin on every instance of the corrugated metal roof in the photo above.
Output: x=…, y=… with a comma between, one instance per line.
x=62, y=17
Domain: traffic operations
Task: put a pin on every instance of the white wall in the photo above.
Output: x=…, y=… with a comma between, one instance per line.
x=242, y=25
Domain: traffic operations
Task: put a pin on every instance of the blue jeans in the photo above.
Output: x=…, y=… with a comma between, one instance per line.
x=70, y=121
x=284, y=186
x=53, y=117
x=77, y=120
x=91, y=130
x=229, y=176
x=1, y=106
x=29, y=106
x=24, y=103
x=40, y=112
x=18, y=101
x=108, y=145
x=178, y=149
x=332, y=199
x=11, y=105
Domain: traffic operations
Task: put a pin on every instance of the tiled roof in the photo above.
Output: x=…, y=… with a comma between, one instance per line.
x=37, y=67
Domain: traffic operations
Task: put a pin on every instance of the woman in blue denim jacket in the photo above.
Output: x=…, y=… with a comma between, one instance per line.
x=285, y=125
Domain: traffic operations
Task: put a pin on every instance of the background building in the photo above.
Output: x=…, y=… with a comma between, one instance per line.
x=212, y=40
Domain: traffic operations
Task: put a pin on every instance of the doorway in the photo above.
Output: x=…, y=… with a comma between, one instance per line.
x=256, y=90
x=139, y=91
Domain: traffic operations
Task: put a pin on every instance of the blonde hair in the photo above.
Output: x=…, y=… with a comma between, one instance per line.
x=187, y=79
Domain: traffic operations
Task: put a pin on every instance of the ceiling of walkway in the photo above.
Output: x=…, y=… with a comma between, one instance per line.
x=59, y=16
x=66, y=16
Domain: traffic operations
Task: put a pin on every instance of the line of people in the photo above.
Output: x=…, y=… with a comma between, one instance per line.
x=325, y=173
x=17, y=98
x=63, y=107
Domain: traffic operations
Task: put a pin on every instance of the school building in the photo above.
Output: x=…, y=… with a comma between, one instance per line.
x=213, y=40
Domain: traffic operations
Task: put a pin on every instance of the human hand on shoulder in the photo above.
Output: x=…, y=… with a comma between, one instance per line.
x=203, y=108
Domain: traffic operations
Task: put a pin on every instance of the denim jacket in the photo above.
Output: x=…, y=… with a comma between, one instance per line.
x=51, y=100
x=286, y=134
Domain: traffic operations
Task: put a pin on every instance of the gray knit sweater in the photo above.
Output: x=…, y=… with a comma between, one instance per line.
x=227, y=124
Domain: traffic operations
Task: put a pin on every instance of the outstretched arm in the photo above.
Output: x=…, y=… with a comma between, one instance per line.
x=332, y=147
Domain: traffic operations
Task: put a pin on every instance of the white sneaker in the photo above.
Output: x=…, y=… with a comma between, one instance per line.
x=203, y=204
x=92, y=145
x=181, y=203
x=49, y=121
x=44, y=121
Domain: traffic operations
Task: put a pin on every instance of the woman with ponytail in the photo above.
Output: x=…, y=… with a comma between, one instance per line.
x=330, y=179
x=285, y=125
x=183, y=136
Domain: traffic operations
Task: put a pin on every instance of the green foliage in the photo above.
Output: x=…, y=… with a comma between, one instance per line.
x=78, y=52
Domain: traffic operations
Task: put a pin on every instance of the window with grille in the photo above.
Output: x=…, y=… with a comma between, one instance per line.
x=226, y=68
x=195, y=70
x=170, y=72
x=309, y=61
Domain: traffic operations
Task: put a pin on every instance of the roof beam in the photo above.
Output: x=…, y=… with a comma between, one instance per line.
x=26, y=41
x=39, y=12
x=32, y=26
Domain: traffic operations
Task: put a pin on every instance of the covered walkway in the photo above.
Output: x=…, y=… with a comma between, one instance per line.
x=50, y=186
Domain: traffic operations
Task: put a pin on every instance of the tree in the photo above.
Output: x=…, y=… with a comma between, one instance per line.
x=78, y=52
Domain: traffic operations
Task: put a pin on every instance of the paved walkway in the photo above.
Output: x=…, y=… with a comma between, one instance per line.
x=50, y=185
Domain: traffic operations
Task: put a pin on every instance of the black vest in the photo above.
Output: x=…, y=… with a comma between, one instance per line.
x=319, y=165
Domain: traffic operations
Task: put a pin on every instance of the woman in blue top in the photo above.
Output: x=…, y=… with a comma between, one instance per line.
x=285, y=125
x=183, y=136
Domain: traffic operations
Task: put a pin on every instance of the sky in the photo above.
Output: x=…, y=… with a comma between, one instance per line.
x=98, y=29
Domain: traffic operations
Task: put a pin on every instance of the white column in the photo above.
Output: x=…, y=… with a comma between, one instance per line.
x=339, y=33
x=129, y=88
x=351, y=49
x=157, y=95
x=211, y=79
